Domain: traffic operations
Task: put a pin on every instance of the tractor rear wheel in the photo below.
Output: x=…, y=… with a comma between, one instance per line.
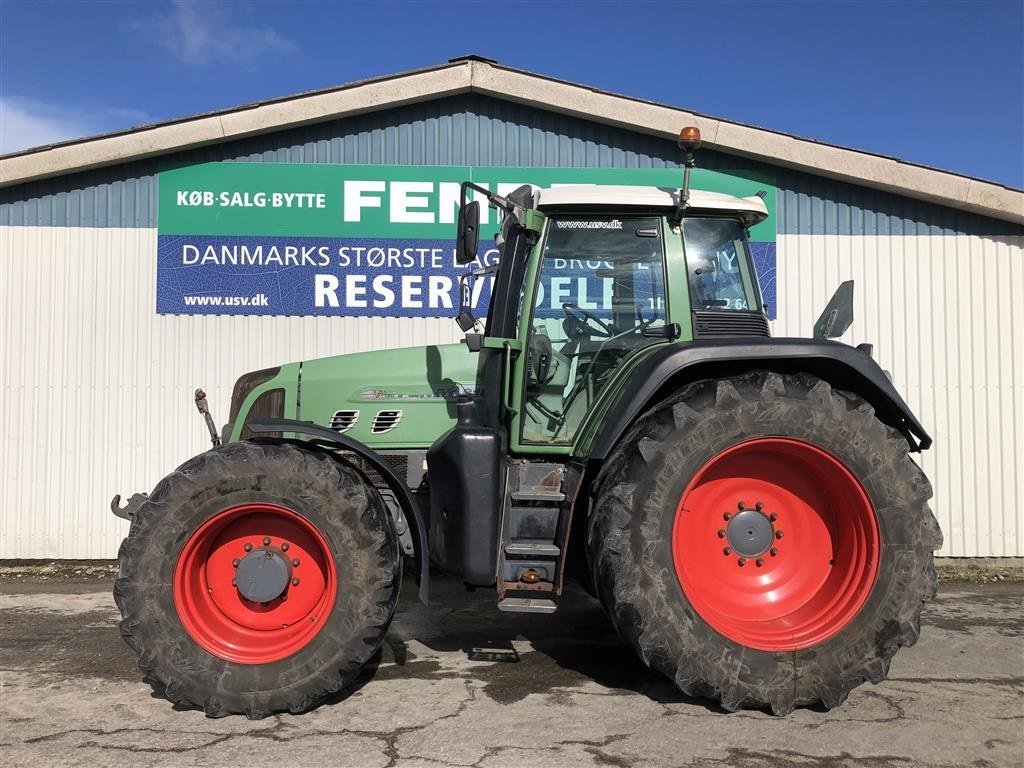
x=765, y=541
x=258, y=578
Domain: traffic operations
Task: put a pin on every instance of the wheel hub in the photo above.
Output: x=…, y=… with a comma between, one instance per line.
x=254, y=583
x=262, y=575
x=750, y=533
x=793, y=569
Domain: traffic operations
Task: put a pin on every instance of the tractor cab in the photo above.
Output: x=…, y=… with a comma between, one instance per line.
x=591, y=277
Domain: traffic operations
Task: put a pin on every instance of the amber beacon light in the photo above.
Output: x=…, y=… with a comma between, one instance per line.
x=689, y=142
x=689, y=138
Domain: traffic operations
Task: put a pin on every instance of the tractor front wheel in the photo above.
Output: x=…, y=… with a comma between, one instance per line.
x=258, y=578
x=765, y=541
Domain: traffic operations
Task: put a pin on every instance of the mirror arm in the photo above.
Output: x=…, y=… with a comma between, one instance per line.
x=492, y=198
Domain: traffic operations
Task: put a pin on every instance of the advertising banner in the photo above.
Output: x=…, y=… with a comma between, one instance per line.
x=370, y=240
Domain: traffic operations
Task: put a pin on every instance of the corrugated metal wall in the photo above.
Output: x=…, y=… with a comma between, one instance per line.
x=97, y=387
x=945, y=316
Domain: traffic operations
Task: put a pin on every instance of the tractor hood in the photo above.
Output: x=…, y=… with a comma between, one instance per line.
x=388, y=399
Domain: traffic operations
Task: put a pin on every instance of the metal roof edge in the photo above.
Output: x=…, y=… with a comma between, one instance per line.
x=238, y=122
x=637, y=100
x=237, y=108
x=764, y=145
x=480, y=75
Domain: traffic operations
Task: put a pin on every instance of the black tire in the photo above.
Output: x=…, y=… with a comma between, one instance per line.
x=344, y=508
x=629, y=537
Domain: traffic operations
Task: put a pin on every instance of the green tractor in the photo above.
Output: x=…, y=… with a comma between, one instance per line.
x=744, y=508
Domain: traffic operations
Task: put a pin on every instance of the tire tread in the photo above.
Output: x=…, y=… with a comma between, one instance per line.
x=631, y=581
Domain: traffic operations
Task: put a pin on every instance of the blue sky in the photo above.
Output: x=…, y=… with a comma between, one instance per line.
x=938, y=83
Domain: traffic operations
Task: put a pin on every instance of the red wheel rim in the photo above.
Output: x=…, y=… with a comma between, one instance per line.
x=231, y=627
x=822, y=557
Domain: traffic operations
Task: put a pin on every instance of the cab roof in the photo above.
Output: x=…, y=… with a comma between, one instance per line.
x=751, y=209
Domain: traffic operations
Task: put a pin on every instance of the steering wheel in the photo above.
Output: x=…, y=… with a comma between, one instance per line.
x=581, y=318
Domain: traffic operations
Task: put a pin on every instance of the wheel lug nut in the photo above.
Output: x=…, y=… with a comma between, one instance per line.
x=284, y=547
x=295, y=581
x=721, y=533
x=741, y=562
x=741, y=506
x=247, y=547
x=235, y=562
x=773, y=551
x=266, y=540
x=778, y=534
x=759, y=506
x=295, y=562
x=726, y=516
x=759, y=562
x=727, y=551
x=234, y=583
x=773, y=517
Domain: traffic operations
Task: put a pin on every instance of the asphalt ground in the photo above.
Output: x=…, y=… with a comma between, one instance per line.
x=70, y=694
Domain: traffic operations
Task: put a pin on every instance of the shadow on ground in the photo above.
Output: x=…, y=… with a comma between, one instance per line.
x=551, y=652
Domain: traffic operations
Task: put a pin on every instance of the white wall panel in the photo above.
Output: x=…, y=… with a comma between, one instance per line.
x=946, y=318
x=97, y=388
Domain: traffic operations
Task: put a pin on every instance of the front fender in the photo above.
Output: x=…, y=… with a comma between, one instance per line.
x=670, y=367
x=322, y=436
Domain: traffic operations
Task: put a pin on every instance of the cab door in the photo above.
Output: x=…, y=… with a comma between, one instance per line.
x=593, y=298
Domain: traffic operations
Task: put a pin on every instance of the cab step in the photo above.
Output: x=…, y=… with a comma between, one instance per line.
x=532, y=549
x=535, y=496
x=526, y=605
x=538, y=481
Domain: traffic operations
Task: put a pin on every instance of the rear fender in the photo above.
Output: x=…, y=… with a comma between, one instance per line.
x=322, y=437
x=671, y=367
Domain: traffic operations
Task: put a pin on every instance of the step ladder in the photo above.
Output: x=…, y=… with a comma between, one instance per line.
x=530, y=561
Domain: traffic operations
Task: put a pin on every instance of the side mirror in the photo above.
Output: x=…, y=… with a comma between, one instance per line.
x=468, y=236
x=838, y=313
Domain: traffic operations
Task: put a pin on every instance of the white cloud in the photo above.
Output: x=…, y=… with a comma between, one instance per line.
x=202, y=33
x=26, y=123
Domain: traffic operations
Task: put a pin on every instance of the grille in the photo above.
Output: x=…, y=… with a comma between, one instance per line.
x=269, y=405
x=246, y=384
x=717, y=325
x=385, y=421
x=398, y=462
x=342, y=421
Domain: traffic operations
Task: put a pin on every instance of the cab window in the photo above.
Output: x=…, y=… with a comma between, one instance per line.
x=717, y=258
x=601, y=285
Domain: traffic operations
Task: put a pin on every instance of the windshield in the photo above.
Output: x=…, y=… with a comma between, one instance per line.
x=718, y=264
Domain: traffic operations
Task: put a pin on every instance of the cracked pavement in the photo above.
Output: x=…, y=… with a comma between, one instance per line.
x=70, y=694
